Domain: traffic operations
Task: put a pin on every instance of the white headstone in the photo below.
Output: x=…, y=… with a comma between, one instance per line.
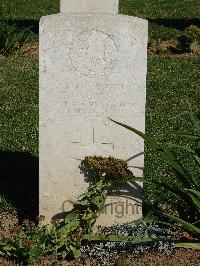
x=92, y=66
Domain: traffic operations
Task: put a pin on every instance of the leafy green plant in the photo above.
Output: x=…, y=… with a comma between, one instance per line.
x=158, y=47
x=194, y=45
x=193, y=32
x=6, y=247
x=190, y=41
x=161, y=49
x=29, y=242
x=190, y=180
x=11, y=38
x=105, y=173
x=191, y=227
x=64, y=238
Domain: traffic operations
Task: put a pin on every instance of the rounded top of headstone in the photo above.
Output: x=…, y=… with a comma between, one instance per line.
x=85, y=6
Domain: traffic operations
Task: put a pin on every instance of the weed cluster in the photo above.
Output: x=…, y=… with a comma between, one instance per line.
x=12, y=38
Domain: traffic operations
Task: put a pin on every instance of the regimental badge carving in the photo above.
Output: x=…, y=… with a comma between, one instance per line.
x=94, y=54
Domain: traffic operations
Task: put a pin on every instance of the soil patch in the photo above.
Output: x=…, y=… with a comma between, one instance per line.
x=30, y=50
x=170, y=48
x=180, y=257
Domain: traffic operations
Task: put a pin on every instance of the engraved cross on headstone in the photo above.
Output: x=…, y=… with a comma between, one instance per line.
x=101, y=6
x=94, y=141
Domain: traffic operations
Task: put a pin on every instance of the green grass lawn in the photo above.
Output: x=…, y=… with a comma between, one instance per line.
x=19, y=105
x=27, y=9
x=171, y=82
x=175, y=14
x=19, y=136
x=151, y=9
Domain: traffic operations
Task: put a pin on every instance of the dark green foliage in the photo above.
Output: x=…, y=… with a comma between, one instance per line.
x=5, y=205
x=18, y=120
x=20, y=9
x=190, y=40
x=189, y=180
x=171, y=82
x=173, y=13
x=12, y=38
x=6, y=247
x=161, y=8
x=184, y=44
x=28, y=9
x=192, y=193
x=193, y=32
x=28, y=242
x=19, y=105
x=65, y=237
x=193, y=35
x=162, y=32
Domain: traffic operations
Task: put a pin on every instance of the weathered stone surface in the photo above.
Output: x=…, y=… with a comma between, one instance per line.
x=104, y=6
x=92, y=67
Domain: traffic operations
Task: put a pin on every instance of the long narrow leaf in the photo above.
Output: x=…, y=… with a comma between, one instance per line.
x=186, y=148
x=116, y=238
x=171, y=160
x=188, y=226
x=188, y=245
x=191, y=179
x=197, y=159
x=165, y=154
x=197, y=193
x=179, y=192
x=195, y=200
x=195, y=121
x=193, y=137
x=150, y=140
x=185, y=177
x=181, y=114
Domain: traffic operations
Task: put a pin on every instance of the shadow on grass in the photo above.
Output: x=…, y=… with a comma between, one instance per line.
x=31, y=24
x=19, y=182
x=179, y=24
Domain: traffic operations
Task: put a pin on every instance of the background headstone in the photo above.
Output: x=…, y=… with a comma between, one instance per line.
x=92, y=66
x=107, y=6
